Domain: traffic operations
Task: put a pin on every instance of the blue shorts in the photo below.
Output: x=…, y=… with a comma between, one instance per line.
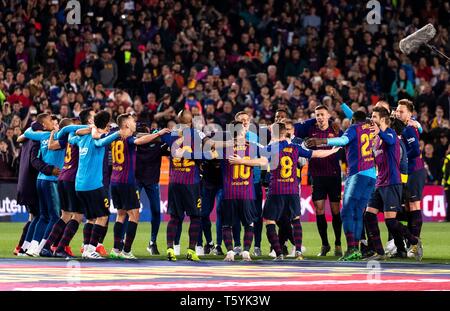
x=416, y=183
x=387, y=199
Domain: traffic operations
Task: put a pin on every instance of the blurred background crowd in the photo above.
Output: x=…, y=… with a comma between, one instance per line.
x=217, y=57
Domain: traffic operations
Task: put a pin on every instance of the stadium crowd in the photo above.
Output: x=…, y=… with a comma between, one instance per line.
x=216, y=58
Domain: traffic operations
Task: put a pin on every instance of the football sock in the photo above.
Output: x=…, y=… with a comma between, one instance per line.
x=97, y=232
x=129, y=238
x=321, y=222
x=415, y=222
x=227, y=237
x=69, y=232
x=55, y=234
x=118, y=243
x=248, y=237
x=172, y=228
x=373, y=232
x=337, y=228
x=298, y=234
x=194, y=231
x=87, y=232
x=24, y=233
x=273, y=238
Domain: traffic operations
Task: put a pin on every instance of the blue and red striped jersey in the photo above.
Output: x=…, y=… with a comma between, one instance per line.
x=359, y=150
x=387, y=158
x=185, y=170
x=123, y=151
x=410, y=137
x=238, y=179
x=283, y=175
x=328, y=166
x=69, y=170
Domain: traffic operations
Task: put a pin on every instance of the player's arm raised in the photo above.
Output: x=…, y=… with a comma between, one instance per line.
x=102, y=142
x=53, y=144
x=235, y=159
x=145, y=139
x=324, y=153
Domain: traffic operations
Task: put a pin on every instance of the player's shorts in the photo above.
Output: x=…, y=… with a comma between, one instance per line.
x=95, y=203
x=237, y=210
x=125, y=197
x=279, y=204
x=387, y=199
x=184, y=199
x=69, y=199
x=326, y=186
x=416, y=183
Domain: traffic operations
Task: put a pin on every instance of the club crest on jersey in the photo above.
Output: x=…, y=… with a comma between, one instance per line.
x=83, y=151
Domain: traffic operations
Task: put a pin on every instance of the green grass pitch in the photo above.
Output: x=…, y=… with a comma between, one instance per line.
x=435, y=237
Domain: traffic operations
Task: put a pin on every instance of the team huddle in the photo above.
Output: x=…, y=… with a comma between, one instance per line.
x=385, y=174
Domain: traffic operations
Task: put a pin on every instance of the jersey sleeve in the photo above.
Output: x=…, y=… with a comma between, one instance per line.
x=102, y=142
x=30, y=134
x=68, y=129
x=304, y=153
x=348, y=112
x=131, y=140
x=412, y=142
x=74, y=139
x=387, y=136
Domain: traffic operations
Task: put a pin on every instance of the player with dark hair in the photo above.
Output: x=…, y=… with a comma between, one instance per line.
x=284, y=195
x=238, y=189
x=66, y=187
x=326, y=177
x=148, y=171
x=30, y=166
x=251, y=137
x=184, y=184
x=124, y=191
x=360, y=182
x=70, y=207
x=46, y=185
x=89, y=183
x=388, y=187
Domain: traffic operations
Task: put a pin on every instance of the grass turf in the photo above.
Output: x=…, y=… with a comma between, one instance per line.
x=435, y=237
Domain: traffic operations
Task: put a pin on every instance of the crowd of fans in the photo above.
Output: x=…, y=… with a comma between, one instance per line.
x=154, y=58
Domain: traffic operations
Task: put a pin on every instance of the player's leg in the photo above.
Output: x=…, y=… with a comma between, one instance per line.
x=34, y=217
x=237, y=237
x=119, y=204
x=416, y=183
x=219, y=239
x=54, y=210
x=99, y=202
x=319, y=195
x=371, y=221
x=193, y=208
x=392, y=200
x=133, y=220
x=348, y=217
x=259, y=221
x=248, y=214
x=285, y=233
x=59, y=226
x=23, y=235
x=69, y=233
x=227, y=219
x=272, y=212
x=208, y=196
x=322, y=226
x=154, y=199
x=43, y=196
x=297, y=231
x=176, y=213
x=334, y=194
